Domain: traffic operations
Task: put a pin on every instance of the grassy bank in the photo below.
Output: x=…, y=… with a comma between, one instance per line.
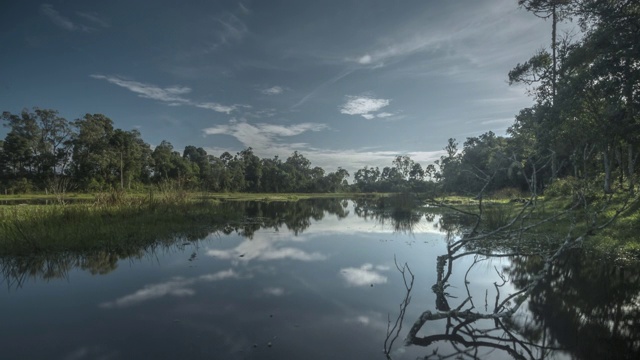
x=50, y=228
x=118, y=220
x=619, y=238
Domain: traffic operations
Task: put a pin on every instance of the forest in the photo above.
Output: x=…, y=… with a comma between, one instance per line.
x=581, y=131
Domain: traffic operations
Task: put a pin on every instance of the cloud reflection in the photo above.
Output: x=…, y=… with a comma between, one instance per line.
x=365, y=275
x=176, y=286
x=265, y=248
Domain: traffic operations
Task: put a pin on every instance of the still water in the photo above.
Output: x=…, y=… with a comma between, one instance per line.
x=317, y=279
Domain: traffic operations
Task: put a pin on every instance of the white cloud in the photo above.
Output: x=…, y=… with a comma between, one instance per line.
x=363, y=105
x=217, y=107
x=274, y=90
x=274, y=291
x=365, y=60
x=384, y=115
x=365, y=275
x=172, y=95
x=262, y=136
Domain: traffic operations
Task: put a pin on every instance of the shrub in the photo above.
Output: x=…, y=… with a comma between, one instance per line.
x=509, y=193
x=565, y=187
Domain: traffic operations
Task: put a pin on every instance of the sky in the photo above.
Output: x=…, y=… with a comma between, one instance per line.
x=346, y=83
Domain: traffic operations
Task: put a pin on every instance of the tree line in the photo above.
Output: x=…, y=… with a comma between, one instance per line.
x=584, y=124
x=45, y=152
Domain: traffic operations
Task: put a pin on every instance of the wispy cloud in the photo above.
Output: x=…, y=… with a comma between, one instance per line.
x=172, y=95
x=94, y=18
x=274, y=90
x=229, y=28
x=465, y=41
x=66, y=23
x=325, y=84
x=365, y=275
x=233, y=29
x=364, y=106
x=227, y=109
x=58, y=19
x=245, y=10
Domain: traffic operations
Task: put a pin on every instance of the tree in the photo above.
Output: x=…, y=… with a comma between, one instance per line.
x=92, y=156
x=132, y=154
x=252, y=169
x=162, y=161
x=556, y=10
x=44, y=137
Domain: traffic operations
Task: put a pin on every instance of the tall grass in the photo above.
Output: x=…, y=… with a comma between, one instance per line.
x=113, y=220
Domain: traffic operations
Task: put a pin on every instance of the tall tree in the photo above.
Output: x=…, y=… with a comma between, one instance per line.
x=92, y=155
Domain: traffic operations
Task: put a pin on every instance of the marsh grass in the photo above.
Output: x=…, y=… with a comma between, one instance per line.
x=113, y=221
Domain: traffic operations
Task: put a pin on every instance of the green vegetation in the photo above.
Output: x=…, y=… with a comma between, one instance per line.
x=110, y=223
x=118, y=222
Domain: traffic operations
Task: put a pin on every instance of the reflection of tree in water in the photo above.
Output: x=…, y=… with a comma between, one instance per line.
x=243, y=218
x=588, y=305
x=402, y=211
x=577, y=304
x=469, y=332
x=17, y=270
x=295, y=216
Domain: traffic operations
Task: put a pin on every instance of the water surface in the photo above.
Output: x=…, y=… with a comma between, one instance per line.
x=312, y=279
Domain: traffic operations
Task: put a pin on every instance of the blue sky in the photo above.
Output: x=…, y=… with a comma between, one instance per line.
x=346, y=83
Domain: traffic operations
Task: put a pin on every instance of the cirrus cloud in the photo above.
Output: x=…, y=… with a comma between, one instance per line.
x=172, y=95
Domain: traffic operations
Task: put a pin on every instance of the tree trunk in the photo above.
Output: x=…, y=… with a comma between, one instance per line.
x=121, y=173
x=554, y=25
x=554, y=166
x=618, y=154
x=631, y=169
x=606, y=157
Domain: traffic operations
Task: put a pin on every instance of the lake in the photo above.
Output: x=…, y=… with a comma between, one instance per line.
x=317, y=279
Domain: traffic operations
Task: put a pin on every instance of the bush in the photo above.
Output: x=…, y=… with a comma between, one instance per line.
x=565, y=187
x=509, y=193
x=21, y=186
x=574, y=189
